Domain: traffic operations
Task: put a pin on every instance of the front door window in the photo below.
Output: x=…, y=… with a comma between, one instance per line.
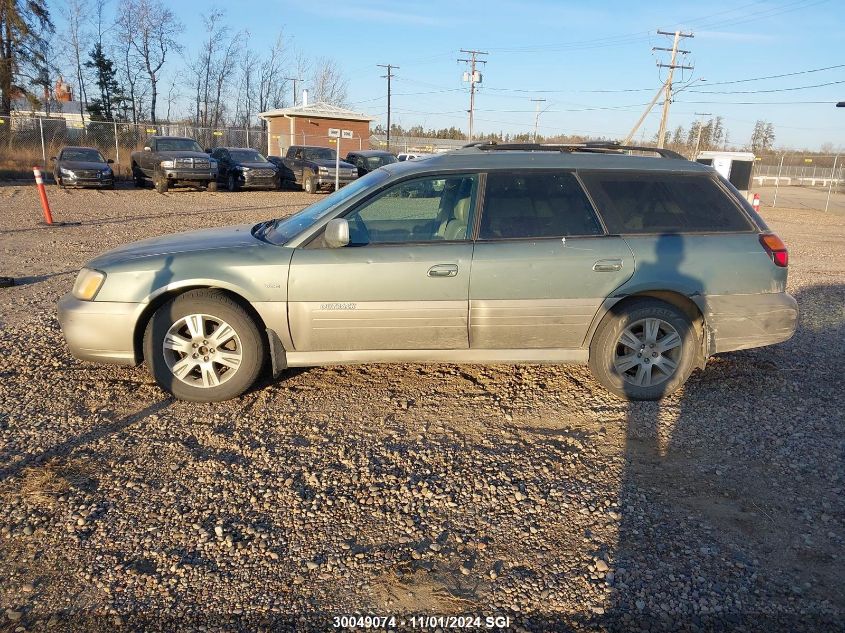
x=421, y=210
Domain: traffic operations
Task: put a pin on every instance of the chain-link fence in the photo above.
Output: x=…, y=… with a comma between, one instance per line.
x=26, y=141
x=801, y=180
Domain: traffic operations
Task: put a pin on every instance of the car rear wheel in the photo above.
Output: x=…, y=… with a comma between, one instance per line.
x=138, y=178
x=644, y=351
x=232, y=183
x=203, y=346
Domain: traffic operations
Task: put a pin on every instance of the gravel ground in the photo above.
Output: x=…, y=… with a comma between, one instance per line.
x=518, y=491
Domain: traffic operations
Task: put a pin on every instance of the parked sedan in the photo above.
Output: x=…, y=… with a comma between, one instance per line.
x=369, y=160
x=239, y=167
x=82, y=167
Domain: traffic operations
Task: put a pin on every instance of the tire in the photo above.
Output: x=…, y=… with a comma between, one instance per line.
x=212, y=186
x=232, y=183
x=60, y=183
x=619, y=367
x=138, y=178
x=161, y=184
x=310, y=186
x=205, y=312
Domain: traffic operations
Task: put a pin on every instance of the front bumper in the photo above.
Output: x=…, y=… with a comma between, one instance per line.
x=745, y=321
x=190, y=174
x=99, y=331
x=324, y=179
x=260, y=181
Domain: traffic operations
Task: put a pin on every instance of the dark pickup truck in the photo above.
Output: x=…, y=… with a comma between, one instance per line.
x=168, y=160
x=313, y=168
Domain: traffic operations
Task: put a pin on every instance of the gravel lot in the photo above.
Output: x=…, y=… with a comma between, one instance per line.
x=514, y=491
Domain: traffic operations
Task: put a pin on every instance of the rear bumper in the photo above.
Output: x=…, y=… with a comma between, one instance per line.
x=99, y=331
x=745, y=321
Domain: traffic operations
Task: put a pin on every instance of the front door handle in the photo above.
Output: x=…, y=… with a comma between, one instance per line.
x=443, y=270
x=607, y=265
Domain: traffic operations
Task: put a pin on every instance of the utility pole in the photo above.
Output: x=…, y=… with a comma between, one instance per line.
x=473, y=77
x=667, y=99
x=388, y=76
x=537, y=116
x=294, y=80
x=698, y=136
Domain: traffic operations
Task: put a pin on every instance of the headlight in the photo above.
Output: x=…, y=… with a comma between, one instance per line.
x=67, y=172
x=88, y=283
x=324, y=170
x=245, y=168
x=168, y=164
x=107, y=171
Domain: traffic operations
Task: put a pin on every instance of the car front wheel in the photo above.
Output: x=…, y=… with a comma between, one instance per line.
x=203, y=346
x=644, y=351
x=310, y=184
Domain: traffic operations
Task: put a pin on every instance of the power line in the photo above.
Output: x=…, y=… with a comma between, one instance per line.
x=749, y=92
x=799, y=72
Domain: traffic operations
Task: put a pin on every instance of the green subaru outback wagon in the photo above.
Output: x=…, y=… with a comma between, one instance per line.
x=642, y=266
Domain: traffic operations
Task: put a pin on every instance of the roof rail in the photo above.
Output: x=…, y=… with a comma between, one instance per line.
x=590, y=146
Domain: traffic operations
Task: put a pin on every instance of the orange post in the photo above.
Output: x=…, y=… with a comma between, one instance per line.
x=45, y=204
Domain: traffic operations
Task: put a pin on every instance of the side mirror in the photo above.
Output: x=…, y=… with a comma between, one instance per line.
x=147, y=148
x=337, y=233
x=110, y=162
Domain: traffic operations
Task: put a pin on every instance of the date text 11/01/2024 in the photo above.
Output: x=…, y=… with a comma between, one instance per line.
x=422, y=622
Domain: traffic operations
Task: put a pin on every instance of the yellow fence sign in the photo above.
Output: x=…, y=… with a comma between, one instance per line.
x=217, y=133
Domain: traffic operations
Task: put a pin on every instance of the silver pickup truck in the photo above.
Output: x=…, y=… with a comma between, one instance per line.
x=312, y=168
x=168, y=160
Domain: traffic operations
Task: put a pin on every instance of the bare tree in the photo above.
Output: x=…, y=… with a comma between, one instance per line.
x=154, y=36
x=328, y=83
x=126, y=25
x=75, y=13
x=270, y=80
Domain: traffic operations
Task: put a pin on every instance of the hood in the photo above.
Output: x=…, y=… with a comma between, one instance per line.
x=257, y=165
x=203, y=240
x=82, y=164
x=183, y=154
x=329, y=162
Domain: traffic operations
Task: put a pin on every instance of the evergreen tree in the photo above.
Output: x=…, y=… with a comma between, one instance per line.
x=20, y=45
x=104, y=107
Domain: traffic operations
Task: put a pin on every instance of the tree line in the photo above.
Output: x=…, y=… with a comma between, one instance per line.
x=126, y=63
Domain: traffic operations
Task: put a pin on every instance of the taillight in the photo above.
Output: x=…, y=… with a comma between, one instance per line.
x=776, y=249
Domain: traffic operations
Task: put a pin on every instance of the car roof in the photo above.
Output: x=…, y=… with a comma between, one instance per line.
x=370, y=152
x=78, y=147
x=249, y=148
x=174, y=138
x=475, y=158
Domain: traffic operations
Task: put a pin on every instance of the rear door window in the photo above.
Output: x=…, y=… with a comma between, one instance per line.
x=536, y=205
x=633, y=203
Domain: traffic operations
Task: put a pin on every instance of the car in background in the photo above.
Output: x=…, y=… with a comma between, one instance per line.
x=239, y=167
x=82, y=167
x=369, y=160
x=641, y=267
x=171, y=160
x=403, y=156
x=313, y=168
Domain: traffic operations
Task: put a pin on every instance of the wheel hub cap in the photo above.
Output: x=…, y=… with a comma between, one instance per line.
x=647, y=352
x=202, y=350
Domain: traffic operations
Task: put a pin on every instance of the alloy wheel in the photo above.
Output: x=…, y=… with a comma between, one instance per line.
x=202, y=350
x=647, y=352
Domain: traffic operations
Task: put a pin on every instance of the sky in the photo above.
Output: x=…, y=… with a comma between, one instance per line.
x=592, y=61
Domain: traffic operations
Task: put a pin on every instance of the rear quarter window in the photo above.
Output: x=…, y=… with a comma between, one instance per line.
x=632, y=203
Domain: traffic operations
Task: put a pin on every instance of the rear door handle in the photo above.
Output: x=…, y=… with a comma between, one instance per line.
x=443, y=270
x=607, y=265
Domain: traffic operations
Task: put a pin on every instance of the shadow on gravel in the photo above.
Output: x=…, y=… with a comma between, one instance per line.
x=26, y=281
x=72, y=444
x=730, y=484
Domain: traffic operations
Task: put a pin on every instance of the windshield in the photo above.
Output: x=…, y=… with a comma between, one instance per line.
x=283, y=230
x=83, y=154
x=177, y=145
x=246, y=156
x=374, y=162
x=319, y=153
